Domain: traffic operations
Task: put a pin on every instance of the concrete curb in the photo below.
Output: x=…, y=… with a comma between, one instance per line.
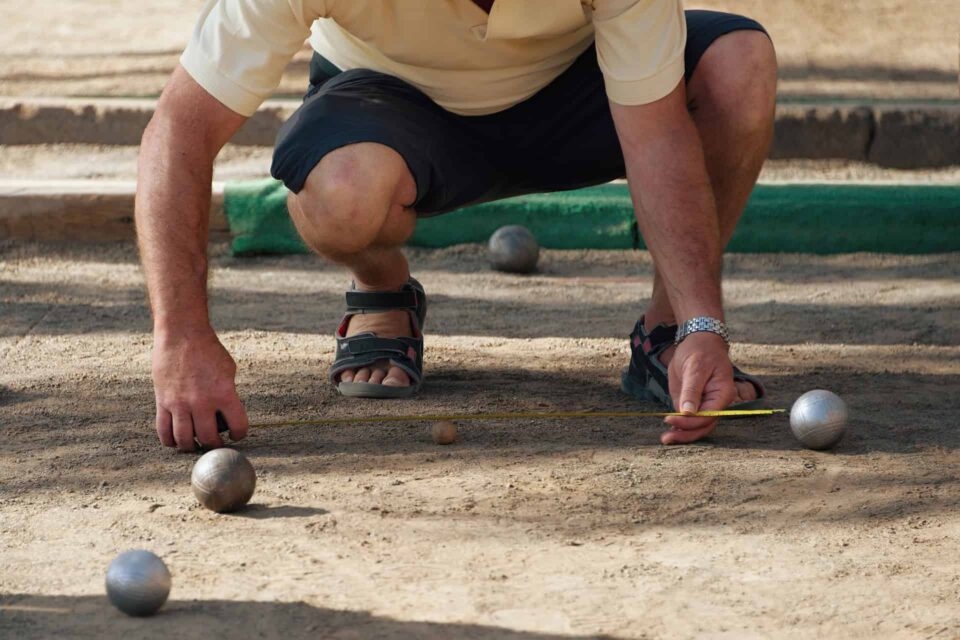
x=903, y=137
x=822, y=132
x=919, y=137
x=80, y=211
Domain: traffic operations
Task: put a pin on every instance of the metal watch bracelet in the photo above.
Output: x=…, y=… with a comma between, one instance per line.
x=700, y=324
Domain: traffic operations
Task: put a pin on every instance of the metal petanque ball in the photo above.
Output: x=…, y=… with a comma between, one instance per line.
x=138, y=582
x=223, y=480
x=513, y=249
x=818, y=419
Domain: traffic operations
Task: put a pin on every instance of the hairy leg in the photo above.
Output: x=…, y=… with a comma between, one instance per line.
x=731, y=96
x=355, y=210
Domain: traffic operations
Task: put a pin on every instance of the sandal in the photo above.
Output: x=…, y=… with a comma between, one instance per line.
x=646, y=377
x=363, y=349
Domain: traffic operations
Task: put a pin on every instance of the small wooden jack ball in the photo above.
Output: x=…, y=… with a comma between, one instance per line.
x=443, y=432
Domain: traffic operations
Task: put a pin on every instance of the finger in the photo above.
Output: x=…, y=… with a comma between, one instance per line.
x=235, y=416
x=684, y=423
x=165, y=427
x=205, y=428
x=691, y=389
x=183, y=430
x=684, y=436
x=716, y=396
x=377, y=376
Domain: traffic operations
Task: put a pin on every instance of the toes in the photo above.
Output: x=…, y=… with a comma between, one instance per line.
x=396, y=377
x=375, y=375
x=745, y=391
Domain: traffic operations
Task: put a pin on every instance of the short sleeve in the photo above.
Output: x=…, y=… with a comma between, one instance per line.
x=240, y=48
x=640, y=46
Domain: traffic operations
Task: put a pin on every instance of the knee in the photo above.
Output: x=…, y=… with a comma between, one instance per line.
x=738, y=78
x=335, y=212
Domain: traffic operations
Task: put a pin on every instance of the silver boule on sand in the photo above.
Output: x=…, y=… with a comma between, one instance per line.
x=223, y=480
x=513, y=249
x=818, y=419
x=138, y=582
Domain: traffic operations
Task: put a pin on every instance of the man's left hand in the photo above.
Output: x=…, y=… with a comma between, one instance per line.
x=701, y=379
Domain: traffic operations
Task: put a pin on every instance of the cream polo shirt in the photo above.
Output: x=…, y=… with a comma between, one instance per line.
x=467, y=61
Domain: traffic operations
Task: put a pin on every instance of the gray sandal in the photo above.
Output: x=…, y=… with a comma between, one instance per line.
x=364, y=349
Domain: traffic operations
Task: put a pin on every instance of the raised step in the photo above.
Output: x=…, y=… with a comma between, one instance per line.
x=80, y=210
x=890, y=135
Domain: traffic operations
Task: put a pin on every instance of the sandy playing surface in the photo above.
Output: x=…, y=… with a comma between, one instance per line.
x=861, y=49
x=522, y=530
x=528, y=530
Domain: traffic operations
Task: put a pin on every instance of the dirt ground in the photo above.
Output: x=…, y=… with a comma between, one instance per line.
x=527, y=530
x=860, y=49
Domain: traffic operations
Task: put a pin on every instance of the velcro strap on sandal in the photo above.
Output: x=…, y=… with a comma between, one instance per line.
x=376, y=301
x=364, y=345
x=363, y=350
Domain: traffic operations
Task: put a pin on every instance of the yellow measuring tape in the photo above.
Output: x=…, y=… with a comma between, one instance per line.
x=728, y=413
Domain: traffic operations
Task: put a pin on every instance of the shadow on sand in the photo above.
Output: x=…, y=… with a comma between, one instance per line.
x=30, y=617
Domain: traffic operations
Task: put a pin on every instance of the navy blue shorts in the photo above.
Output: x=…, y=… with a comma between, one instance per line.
x=560, y=138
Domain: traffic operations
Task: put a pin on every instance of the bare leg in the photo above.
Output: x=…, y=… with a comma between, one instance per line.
x=354, y=210
x=731, y=95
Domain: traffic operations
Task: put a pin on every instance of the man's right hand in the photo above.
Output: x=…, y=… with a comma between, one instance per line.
x=193, y=377
x=193, y=374
x=701, y=379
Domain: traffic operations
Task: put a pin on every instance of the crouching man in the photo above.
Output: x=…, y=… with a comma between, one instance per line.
x=418, y=107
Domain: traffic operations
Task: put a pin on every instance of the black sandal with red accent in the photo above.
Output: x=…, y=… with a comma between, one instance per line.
x=646, y=378
x=364, y=349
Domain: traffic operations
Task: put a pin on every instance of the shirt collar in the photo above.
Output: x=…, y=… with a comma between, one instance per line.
x=514, y=19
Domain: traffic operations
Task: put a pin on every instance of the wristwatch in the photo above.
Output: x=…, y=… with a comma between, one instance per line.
x=701, y=323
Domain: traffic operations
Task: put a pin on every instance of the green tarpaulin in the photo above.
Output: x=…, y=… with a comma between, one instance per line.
x=804, y=218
